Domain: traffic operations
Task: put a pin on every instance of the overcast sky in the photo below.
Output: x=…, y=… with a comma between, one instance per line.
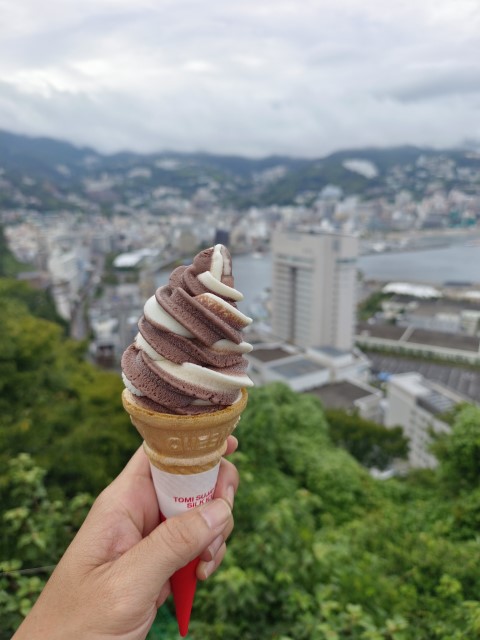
x=251, y=77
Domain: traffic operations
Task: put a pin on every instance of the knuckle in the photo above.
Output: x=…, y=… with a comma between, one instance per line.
x=229, y=528
x=178, y=537
x=102, y=500
x=232, y=472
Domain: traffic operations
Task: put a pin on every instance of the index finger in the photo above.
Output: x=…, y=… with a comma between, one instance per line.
x=232, y=444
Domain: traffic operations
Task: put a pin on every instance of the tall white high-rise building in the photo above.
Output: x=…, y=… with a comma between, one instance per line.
x=314, y=288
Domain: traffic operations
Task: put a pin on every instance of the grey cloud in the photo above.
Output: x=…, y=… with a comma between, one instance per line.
x=436, y=84
x=241, y=76
x=60, y=42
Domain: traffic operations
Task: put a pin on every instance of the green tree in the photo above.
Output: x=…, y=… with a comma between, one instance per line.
x=459, y=452
x=372, y=305
x=58, y=407
x=35, y=530
x=320, y=550
x=38, y=302
x=9, y=265
x=368, y=442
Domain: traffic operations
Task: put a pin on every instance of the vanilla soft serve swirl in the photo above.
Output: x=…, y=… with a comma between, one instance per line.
x=188, y=355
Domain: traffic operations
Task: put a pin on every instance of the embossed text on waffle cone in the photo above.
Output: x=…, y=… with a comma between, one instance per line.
x=184, y=444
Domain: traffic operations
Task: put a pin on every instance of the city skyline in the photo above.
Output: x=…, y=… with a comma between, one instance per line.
x=239, y=78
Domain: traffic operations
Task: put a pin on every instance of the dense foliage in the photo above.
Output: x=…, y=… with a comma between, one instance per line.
x=63, y=435
x=368, y=442
x=55, y=405
x=320, y=550
x=372, y=305
x=9, y=266
x=35, y=529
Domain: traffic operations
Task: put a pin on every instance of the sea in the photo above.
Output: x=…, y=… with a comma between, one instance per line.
x=458, y=262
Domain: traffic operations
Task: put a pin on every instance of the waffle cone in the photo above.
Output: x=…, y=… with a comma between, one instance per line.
x=184, y=444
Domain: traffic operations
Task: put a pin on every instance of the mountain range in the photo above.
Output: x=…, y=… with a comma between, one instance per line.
x=239, y=181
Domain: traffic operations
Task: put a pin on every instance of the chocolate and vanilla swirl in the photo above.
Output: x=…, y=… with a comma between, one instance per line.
x=188, y=354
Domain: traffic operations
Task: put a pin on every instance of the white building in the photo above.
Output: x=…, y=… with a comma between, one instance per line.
x=283, y=363
x=343, y=365
x=313, y=292
x=68, y=271
x=321, y=373
x=352, y=396
x=417, y=405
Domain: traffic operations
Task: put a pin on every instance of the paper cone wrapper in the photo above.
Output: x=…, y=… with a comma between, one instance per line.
x=184, y=453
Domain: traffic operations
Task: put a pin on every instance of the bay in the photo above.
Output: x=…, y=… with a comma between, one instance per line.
x=458, y=262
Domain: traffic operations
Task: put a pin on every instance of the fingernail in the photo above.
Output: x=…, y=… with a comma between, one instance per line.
x=215, y=546
x=230, y=495
x=208, y=568
x=216, y=513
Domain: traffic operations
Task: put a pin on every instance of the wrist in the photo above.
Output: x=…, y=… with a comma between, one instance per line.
x=47, y=622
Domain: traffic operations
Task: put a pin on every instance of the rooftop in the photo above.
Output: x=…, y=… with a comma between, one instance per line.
x=268, y=355
x=421, y=336
x=387, y=331
x=444, y=305
x=443, y=339
x=133, y=258
x=296, y=368
x=333, y=352
x=434, y=397
x=409, y=289
x=435, y=402
x=464, y=381
x=339, y=395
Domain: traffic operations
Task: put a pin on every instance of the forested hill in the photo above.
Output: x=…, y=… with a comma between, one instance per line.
x=47, y=172
x=320, y=550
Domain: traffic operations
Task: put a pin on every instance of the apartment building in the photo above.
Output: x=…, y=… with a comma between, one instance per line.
x=418, y=406
x=314, y=288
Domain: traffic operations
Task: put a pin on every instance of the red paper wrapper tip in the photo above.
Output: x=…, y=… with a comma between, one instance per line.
x=184, y=583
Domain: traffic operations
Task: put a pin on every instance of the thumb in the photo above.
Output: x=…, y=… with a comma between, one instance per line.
x=176, y=542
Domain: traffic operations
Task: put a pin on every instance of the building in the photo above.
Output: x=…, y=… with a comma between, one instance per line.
x=457, y=347
x=352, y=396
x=283, y=363
x=433, y=312
x=336, y=378
x=418, y=406
x=343, y=365
x=314, y=288
x=69, y=270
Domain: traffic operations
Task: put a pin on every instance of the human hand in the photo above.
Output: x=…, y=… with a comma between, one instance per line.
x=115, y=574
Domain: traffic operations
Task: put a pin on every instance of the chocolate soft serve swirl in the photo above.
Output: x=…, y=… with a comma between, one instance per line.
x=188, y=356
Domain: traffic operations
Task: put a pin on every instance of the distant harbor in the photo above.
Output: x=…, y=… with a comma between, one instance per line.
x=420, y=241
x=454, y=263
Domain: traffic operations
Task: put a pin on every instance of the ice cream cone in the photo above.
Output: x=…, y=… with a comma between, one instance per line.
x=184, y=453
x=184, y=444
x=189, y=352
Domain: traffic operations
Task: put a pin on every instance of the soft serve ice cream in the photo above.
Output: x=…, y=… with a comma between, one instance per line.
x=188, y=356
